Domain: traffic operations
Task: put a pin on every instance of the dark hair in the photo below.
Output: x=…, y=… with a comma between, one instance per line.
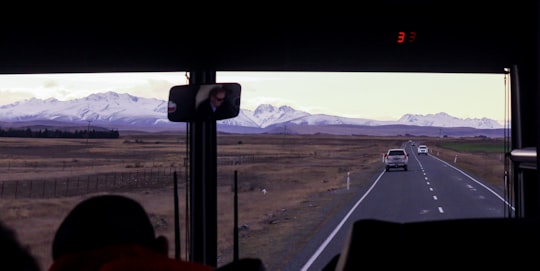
x=215, y=90
x=13, y=255
x=102, y=221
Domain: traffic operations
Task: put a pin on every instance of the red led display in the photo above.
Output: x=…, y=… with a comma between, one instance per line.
x=406, y=37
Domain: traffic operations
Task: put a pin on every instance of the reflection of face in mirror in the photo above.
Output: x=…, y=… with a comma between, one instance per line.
x=217, y=97
x=215, y=106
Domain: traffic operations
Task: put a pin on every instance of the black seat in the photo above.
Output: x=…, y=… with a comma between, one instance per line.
x=462, y=243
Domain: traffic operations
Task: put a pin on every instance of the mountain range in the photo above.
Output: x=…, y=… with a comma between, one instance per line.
x=121, y=111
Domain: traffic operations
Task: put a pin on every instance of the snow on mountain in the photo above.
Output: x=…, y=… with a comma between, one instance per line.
x=244, y=118
x=323, y=119
x=99, y=108
x=444, y=120
x=266, y=115
x=111, y=109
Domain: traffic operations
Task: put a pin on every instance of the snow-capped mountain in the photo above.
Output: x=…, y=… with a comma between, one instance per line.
x=128, y=112
x=444, y=120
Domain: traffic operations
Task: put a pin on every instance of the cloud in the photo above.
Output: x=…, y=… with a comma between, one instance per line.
x=50, y=84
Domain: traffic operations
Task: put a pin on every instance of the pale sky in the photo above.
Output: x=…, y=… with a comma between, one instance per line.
x=378, y=96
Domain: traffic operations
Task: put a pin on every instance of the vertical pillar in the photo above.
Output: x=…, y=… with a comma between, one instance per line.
x=203, y=183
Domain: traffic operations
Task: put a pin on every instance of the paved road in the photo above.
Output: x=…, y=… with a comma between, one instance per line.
x=430, y=190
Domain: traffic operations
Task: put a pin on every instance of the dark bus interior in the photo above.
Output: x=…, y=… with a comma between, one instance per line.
x=383, y=36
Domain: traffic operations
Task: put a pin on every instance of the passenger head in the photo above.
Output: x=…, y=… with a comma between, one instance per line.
x=217, y=96
x=103, y=221
x=13, y=255
x=112, y=232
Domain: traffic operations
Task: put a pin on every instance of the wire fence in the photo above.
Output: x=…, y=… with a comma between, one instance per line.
x=80, y=185
x=125, y=181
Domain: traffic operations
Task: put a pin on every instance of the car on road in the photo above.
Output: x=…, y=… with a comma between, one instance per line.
x=396, y=158
x=423, y=149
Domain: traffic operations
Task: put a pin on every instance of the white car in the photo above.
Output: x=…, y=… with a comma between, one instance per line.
x=423, y=149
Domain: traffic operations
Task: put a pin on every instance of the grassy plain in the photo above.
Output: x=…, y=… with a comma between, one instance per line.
x=288, y=184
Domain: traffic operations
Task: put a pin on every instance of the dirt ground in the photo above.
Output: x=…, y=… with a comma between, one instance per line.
x=288, y=185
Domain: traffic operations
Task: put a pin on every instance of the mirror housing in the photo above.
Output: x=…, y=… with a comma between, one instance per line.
x=193, y=102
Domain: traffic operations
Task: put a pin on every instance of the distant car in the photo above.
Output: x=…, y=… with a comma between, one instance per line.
x=396, y=158
x=423, y=149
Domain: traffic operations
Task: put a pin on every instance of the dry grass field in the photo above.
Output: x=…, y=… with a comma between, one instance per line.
x=304, y=178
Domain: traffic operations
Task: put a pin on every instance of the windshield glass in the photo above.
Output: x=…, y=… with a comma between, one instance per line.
x=307, y=150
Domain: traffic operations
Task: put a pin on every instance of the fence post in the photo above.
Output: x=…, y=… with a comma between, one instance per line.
x=348, y=179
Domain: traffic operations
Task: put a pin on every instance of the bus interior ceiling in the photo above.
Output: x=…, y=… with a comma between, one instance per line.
x=449, y=36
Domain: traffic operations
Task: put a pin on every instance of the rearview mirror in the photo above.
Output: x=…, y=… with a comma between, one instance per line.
x=204, y=102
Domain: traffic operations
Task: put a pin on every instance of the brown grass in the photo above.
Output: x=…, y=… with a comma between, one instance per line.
x=304, y=176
